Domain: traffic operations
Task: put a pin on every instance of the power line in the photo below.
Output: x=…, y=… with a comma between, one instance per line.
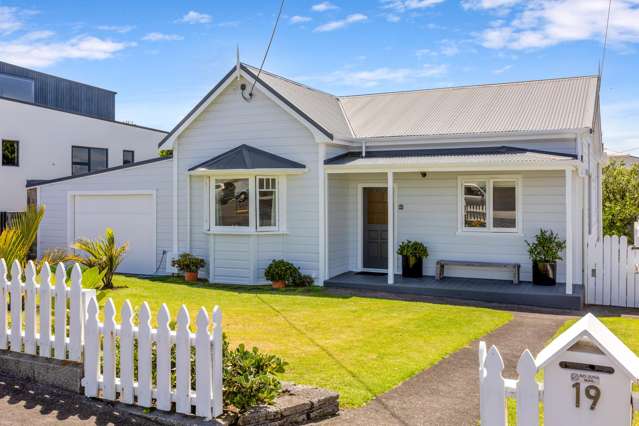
x=268, y=47
x=605, y=44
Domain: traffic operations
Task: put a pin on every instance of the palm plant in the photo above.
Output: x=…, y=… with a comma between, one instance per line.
x=18, y=237
x=102, y=253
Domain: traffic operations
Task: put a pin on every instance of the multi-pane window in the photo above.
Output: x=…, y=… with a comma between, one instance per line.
x=18, y=88
x=232, y=202
x=86, y=160
x=266, y=203
x=10, y=153
x=490, y=204
x=246, y=203
x=128, y=157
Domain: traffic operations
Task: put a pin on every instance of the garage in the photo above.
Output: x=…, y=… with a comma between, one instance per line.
x=131, y=215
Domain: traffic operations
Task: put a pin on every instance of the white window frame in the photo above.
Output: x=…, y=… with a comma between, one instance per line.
x=489, y=229
x=257, y=203
x=253, y=227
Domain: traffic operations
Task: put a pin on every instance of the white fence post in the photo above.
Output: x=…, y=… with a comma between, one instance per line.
x=30, y=309
x=527, y=391
x=203, y=378
x=183, y=363
x=4, y=286
x=60, y=326
x=16, y=307
x=218, y=404
x=91, y=350
x=164, y=359
x=76, y=317
x=108, y=354
x=493, y=391
x=45, y=311
x=126, y=353
x=144, y=356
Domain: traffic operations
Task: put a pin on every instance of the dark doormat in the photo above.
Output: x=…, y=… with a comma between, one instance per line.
x=375, y=274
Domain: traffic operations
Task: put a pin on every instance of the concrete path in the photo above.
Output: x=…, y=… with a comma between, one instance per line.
x=448, y=393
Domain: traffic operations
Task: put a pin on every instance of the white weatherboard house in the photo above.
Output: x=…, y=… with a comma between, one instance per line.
x=334, y=184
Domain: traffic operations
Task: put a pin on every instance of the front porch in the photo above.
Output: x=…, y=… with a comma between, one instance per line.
x=476, y=289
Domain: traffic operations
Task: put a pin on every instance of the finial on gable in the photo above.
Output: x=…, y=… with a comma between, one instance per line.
x=238, y=63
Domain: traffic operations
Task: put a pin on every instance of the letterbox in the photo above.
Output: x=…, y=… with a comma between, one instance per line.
x=588, y=376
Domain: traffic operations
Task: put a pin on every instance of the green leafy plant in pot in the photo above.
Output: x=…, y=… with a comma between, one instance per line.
x=413, y=254
x=280, y=272
x=544, y=252
x=189, y=265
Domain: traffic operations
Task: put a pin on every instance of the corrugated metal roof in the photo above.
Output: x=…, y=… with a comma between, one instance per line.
x=468, y=156
x=539, y=105
x=245, y=157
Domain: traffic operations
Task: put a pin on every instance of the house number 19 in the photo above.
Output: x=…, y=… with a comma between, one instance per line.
x=592, y=392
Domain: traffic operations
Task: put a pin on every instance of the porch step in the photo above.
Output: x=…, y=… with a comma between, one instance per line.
x=482, y=290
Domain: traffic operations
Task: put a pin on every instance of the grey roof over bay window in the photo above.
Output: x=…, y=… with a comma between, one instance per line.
x=246, y=157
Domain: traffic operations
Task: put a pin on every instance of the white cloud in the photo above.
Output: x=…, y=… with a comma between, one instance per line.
x=446, y=48
x=9, y=20
x=391, y=17
x=193, y=17
x=120, y=29
x=378, y=76
x=545, y=23
x=297, y=19
x=335, y=25
x=488, y=4
x=502, y=69
x=162, y=37
x=32, y=51
x=403, y=5
x=323, y=6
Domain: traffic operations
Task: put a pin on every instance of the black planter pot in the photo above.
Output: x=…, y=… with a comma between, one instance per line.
x=414, y=271
x=545, y=273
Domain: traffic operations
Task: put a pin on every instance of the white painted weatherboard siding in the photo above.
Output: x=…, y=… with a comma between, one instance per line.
x=227, y=123
x=148, y=177
x=46, y=137
x=430, y=215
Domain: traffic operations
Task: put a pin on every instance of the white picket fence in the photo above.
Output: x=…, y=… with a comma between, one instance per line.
x=494, y=389
x=25, y=326
x=612, y=274
x=24, y=335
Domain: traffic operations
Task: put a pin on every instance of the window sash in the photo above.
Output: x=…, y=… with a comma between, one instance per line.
x=217, y=218
x=89, y=165
x=490, y=183
x=268, y=184
x=128, y=157
x=11, y=162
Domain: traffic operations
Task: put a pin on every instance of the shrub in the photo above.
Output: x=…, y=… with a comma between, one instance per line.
x=250, y=377
x=303, y=280
x=546, y=248
x=102, y=253
x=281, y=270
x=186, y=262
x=413, y=249
x=18, y=237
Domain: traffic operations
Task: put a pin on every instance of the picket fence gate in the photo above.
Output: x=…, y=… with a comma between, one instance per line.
x=26, y=326
x=494, y=389
x=612, y=274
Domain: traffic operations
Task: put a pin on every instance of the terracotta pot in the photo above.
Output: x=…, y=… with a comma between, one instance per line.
x=190, y=276
x=278, y=284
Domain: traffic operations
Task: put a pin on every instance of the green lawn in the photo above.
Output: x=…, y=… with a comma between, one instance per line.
x=626, y=328
x=359, y=347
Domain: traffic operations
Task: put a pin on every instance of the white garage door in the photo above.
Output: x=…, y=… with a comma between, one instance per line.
x=132, y=218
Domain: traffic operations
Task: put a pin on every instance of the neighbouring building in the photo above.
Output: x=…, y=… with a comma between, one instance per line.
x=51, y=127
x=333, y=184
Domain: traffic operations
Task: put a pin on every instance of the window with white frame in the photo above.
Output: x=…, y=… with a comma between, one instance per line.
x=245, y=203
x=490, y=204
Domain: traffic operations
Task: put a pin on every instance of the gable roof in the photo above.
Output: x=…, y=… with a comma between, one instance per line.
x=560, y=104
x=246, y=157
x=589, y=326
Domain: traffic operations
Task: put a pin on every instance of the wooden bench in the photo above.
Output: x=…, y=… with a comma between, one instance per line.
x=439, y=268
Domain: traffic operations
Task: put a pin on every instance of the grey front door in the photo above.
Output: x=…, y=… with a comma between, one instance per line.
x=375, y=228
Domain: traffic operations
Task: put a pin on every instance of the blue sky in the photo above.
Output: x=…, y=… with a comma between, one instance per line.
x=162, y=57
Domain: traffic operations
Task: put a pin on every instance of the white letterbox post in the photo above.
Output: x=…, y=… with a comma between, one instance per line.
x=588, y=376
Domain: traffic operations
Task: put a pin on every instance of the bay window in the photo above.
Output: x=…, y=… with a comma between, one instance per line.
x=245, y=204
x=489, y=204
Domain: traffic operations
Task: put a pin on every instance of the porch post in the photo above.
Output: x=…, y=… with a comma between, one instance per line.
x=321, y=175
x=391, y=227
x=568, y=260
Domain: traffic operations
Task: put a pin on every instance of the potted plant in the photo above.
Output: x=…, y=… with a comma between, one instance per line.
x=189, y=265
x=279, y=272
x=544, y=252
x=413, y=254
